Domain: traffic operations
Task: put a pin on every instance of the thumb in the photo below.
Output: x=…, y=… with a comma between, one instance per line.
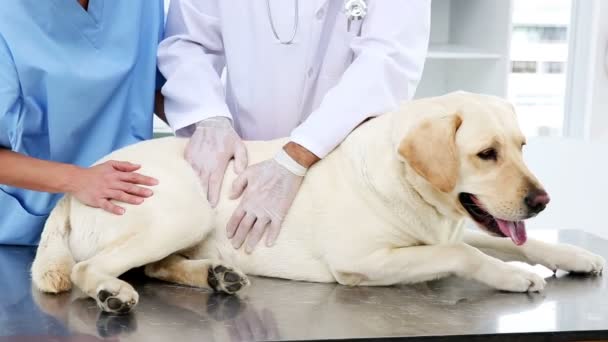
x=240, y=158
x=124, y=166
x=238, y=186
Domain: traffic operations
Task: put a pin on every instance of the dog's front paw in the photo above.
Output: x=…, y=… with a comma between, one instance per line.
x=571, y=259
x=511, y=278
x=226, y=279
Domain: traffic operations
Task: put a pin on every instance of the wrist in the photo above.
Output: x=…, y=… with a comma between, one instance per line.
x=215, y=121
x=300, y=154
x=69, y=179
x=285, y=161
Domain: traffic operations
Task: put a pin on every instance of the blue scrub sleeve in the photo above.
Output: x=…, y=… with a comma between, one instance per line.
x=9, y=95
x=160, y=79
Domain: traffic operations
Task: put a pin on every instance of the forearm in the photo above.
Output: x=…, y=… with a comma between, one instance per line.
x=388, y=61
x=34, y=174
x=193, y=50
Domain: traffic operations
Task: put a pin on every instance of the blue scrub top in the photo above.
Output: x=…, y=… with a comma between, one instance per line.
x=74, y=86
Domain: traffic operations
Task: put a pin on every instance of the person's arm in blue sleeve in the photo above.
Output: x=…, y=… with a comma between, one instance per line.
x=159, y=99
x=94, y=186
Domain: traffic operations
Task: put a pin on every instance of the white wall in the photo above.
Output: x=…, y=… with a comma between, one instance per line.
x=575, y=174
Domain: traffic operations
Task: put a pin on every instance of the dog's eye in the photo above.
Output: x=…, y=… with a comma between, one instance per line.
x=488, y=154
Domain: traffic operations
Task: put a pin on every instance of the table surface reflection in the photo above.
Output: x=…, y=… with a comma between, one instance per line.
x=571, y=307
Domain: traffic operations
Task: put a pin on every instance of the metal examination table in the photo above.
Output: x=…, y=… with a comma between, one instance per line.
x=571, y=308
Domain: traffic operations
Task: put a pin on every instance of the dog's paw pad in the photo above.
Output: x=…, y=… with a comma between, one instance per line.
x=226, y=279
x=116, y=302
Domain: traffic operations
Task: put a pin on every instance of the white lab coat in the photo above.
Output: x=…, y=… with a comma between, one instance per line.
x=316, y=90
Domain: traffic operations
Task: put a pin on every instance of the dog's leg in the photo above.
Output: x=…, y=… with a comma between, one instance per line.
x=553, y=256
x=422, y=263
x=210, y=274
x=97, y=276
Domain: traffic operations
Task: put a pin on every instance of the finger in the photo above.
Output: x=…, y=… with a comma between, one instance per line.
x=242, y=231
x=111, y=207
x=203, y=176
x=124, y=166
x=215, y=185
x=256, y=233
x=137, y=178
x=132, y=189
x=240, y=158
x=124, y=197
x=239, y=185
x=234, y=221
x=273, y=232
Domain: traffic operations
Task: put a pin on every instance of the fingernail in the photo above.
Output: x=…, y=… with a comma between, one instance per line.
x=148, y=193
x=140, y=200
x=248, y=249
x=121, y=211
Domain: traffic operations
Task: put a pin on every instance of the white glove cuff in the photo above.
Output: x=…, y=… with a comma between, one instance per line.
x=291, y=165
x=215, y=121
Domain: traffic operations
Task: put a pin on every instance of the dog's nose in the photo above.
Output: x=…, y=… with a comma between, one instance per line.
x=537, y=200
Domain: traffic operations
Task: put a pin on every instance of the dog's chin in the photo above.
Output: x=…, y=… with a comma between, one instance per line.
x=516, y=230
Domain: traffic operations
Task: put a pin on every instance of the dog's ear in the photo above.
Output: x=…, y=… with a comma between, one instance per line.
x=430, y=149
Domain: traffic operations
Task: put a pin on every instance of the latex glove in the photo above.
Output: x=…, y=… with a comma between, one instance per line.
x=268, y=189
x=210, y=149
x=112, y=180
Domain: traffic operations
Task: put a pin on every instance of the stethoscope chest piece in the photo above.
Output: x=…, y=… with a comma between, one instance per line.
x=355, y=9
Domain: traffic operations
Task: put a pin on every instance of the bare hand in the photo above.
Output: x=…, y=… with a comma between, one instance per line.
x=112, y=180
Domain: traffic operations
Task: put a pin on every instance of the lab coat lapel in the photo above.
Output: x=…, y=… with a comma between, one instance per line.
x=321, y=3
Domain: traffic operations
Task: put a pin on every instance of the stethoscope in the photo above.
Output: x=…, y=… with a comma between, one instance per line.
x=354, y=10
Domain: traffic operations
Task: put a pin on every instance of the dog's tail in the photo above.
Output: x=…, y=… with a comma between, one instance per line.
x=53, y=263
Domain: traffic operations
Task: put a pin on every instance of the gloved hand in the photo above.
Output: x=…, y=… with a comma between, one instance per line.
x=212, y=146
x=269, y=190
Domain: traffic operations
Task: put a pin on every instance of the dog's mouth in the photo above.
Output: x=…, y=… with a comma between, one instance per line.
x=516, y=230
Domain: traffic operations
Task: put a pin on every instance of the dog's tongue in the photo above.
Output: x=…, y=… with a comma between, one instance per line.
x=515, y=230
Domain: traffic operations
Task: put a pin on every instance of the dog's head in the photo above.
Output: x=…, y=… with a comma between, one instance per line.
x=469, y=150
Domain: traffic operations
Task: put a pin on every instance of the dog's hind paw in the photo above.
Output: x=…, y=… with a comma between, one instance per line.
x=226, y=279
x=116, y=296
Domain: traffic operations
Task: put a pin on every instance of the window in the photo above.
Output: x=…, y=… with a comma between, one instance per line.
x=523, y=67
x=541, y=34
x=539, y=53
x=554, y=67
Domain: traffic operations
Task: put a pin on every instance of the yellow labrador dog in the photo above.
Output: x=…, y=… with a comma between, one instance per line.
x=386, y=207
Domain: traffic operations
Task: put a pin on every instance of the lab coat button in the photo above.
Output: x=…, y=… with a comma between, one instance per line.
x=320, y=13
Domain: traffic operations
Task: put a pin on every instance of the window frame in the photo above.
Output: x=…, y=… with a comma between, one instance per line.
x=587, y=72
